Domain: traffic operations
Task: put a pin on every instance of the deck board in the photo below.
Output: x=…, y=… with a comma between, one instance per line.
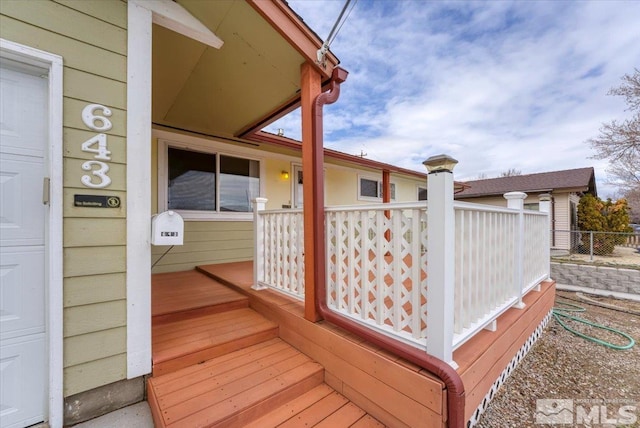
x=221, y=363
x=190, y=291
x=317, y=412
x=292, y=408
x=479, y=360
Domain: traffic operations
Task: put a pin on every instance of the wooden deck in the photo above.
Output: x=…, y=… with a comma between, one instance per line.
x=345, y=382
x=216, y=362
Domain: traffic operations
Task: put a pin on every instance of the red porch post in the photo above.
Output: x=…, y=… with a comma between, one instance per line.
x=310, y=89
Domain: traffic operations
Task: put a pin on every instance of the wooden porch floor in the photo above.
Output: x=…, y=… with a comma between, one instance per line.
x=216, y=362
x=359, y=384
x=481, y=360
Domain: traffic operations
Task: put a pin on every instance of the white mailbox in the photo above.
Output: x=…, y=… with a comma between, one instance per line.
x=167, y=228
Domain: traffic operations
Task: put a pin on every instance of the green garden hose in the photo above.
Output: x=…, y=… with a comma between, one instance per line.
x=564, y=310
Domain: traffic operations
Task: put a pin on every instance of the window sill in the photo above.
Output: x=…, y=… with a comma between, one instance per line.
x=207, y=216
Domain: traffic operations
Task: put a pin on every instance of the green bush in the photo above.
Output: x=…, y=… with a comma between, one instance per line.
x=595, y=215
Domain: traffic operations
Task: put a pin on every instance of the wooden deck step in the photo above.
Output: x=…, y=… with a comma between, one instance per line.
x=181, y=295
x=320, y=407
x=233, y=389
x=181, y=343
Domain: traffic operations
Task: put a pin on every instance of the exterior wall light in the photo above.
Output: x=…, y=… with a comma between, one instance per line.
x=284, y=175
x=440, y=163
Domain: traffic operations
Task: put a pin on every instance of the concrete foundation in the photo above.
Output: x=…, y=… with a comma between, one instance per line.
x=99, y=401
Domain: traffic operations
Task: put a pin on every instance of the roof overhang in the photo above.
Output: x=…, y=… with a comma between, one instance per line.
x=252, y=79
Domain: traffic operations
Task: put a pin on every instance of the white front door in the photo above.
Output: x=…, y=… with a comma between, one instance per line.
x=23, y=167
x=297, y=186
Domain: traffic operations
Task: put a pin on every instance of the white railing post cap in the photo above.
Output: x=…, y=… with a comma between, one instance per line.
x=544, y=197
x=440, y=163
x=514, y=195
x=260, y=200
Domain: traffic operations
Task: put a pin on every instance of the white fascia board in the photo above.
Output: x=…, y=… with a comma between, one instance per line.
x=171, y=15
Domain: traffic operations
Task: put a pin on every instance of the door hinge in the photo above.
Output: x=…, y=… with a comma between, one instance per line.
x=46, y=186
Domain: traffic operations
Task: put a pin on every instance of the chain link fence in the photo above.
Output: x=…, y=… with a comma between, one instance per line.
x=591, y=243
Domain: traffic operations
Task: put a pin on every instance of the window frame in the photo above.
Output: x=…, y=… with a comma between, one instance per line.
x=418, y=188
x=379, y=181
x=210, y=147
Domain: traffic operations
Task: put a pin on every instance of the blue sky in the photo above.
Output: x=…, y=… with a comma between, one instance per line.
x=495, y=84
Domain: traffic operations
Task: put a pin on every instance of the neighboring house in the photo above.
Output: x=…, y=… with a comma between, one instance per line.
x=565, y=187
x=113, y=111
x=270, y=167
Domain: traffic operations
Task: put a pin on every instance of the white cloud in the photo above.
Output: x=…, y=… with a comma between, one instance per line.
x=497, y=85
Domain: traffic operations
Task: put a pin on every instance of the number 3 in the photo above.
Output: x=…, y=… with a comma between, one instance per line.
x=100, y=173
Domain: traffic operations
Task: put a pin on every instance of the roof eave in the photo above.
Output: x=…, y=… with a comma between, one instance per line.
x=296, y=32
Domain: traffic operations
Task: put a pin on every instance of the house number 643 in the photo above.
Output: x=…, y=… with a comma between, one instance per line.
x=97, y=145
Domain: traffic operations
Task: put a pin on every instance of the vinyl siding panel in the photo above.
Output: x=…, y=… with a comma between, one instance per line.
x=207, y=242
x=561, y=223
x=91, y=37
x=83, y=377
x=76, y=54
x=90, y=88
x=85, y=290
x=93, y=318
x=116, y=14
x=94, y=346
x=57, y=18
x=92, y=232
x=82, y=261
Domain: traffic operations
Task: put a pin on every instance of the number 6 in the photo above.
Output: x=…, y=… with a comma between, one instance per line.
x=90, y=118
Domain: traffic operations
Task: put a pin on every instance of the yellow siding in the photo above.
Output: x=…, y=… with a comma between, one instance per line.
x=91, y=37
x=96, y=317
x=82, y=261
x=116, y=14
x=207, y=242
x=76, y=54
x=89, y=87
x=84, y=290
x=341, y=187
x=93, y=374
x=561, y=224
x=88, y=232
x=278, y=188
x=94, y=346
x=407, y=188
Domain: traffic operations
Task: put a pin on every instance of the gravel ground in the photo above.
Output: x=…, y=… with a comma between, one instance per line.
x=622, y=256
x=563, y=366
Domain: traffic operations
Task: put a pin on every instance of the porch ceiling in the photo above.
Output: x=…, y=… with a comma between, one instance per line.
x=223, y=91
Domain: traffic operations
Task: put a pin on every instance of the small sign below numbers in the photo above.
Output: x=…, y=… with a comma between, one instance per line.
x=97, y=145
x=96, y=201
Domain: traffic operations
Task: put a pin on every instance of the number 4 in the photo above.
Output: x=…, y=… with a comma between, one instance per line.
x=101, y=152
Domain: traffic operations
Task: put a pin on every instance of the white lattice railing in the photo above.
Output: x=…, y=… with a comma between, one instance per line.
x=376, y=266
x=279, y=251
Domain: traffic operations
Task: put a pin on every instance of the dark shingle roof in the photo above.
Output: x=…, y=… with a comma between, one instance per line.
x=580, y=179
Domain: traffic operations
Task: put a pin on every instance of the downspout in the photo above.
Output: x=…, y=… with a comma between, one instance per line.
x=450, y=377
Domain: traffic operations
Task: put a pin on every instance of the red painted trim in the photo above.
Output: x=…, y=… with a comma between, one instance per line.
x=450, y=377
x=291, y=26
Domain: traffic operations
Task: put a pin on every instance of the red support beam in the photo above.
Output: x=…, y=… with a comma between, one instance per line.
x=312, y=186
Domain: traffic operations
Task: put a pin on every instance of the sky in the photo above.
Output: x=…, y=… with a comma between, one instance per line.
x=495, y=84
